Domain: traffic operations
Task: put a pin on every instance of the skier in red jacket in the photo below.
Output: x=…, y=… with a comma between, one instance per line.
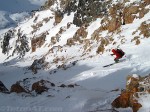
x=118, y=53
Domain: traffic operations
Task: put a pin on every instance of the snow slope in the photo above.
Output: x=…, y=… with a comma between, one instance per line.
x=15, y=11
x=96, y=84
x=14, y=6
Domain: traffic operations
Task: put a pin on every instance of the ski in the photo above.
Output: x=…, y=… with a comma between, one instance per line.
x=114, y=63
x=109, y=65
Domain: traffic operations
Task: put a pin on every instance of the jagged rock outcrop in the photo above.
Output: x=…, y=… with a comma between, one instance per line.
x=38, y=64
x=126, y=100
x=69, y=6
x=79, y=36
x=128, y=14
x=58, y=17
x=3, y=88
x=103, y=42
x=143, y=32
x=17, y=88
x=144, y=29
x=38, y=41
x=85, y=10
x=27, y=87
x=120, y=14
x=135, y=86
x=88, y=10
x=42, y=86
x=21, y=46
x=5, y=43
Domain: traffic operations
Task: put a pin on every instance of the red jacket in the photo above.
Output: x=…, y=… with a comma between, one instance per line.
x=117, y=53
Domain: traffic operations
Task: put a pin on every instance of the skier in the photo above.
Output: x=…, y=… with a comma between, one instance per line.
x=118, y=53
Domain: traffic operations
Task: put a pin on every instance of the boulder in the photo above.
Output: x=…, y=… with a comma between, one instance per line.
x=126, y=100
x=17, y=88
x=134, y=85
x=42, y=86
x=122, y=101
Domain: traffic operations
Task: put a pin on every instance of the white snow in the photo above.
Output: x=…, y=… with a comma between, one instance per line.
x=144, y=101
x=135, y=76
x=95, y=25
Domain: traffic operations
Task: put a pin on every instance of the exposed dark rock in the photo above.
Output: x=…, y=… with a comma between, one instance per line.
x=42, y=86
x=17, y=88
x=21, y=46
x=47, y=4
x=5, y=43
x=69, y=86
x=88, y=10
x=38, y=41
x=58, y=17
x=144, y=29
x=63, y=85
x=126, y=100
x=38, y=64
x=3, y=88
x=85, y=10
x=70, y=6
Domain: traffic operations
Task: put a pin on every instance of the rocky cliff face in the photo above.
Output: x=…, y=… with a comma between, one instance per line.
x=89, y=10
x=113, y=16
x=117, y=14
x=85, y=10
